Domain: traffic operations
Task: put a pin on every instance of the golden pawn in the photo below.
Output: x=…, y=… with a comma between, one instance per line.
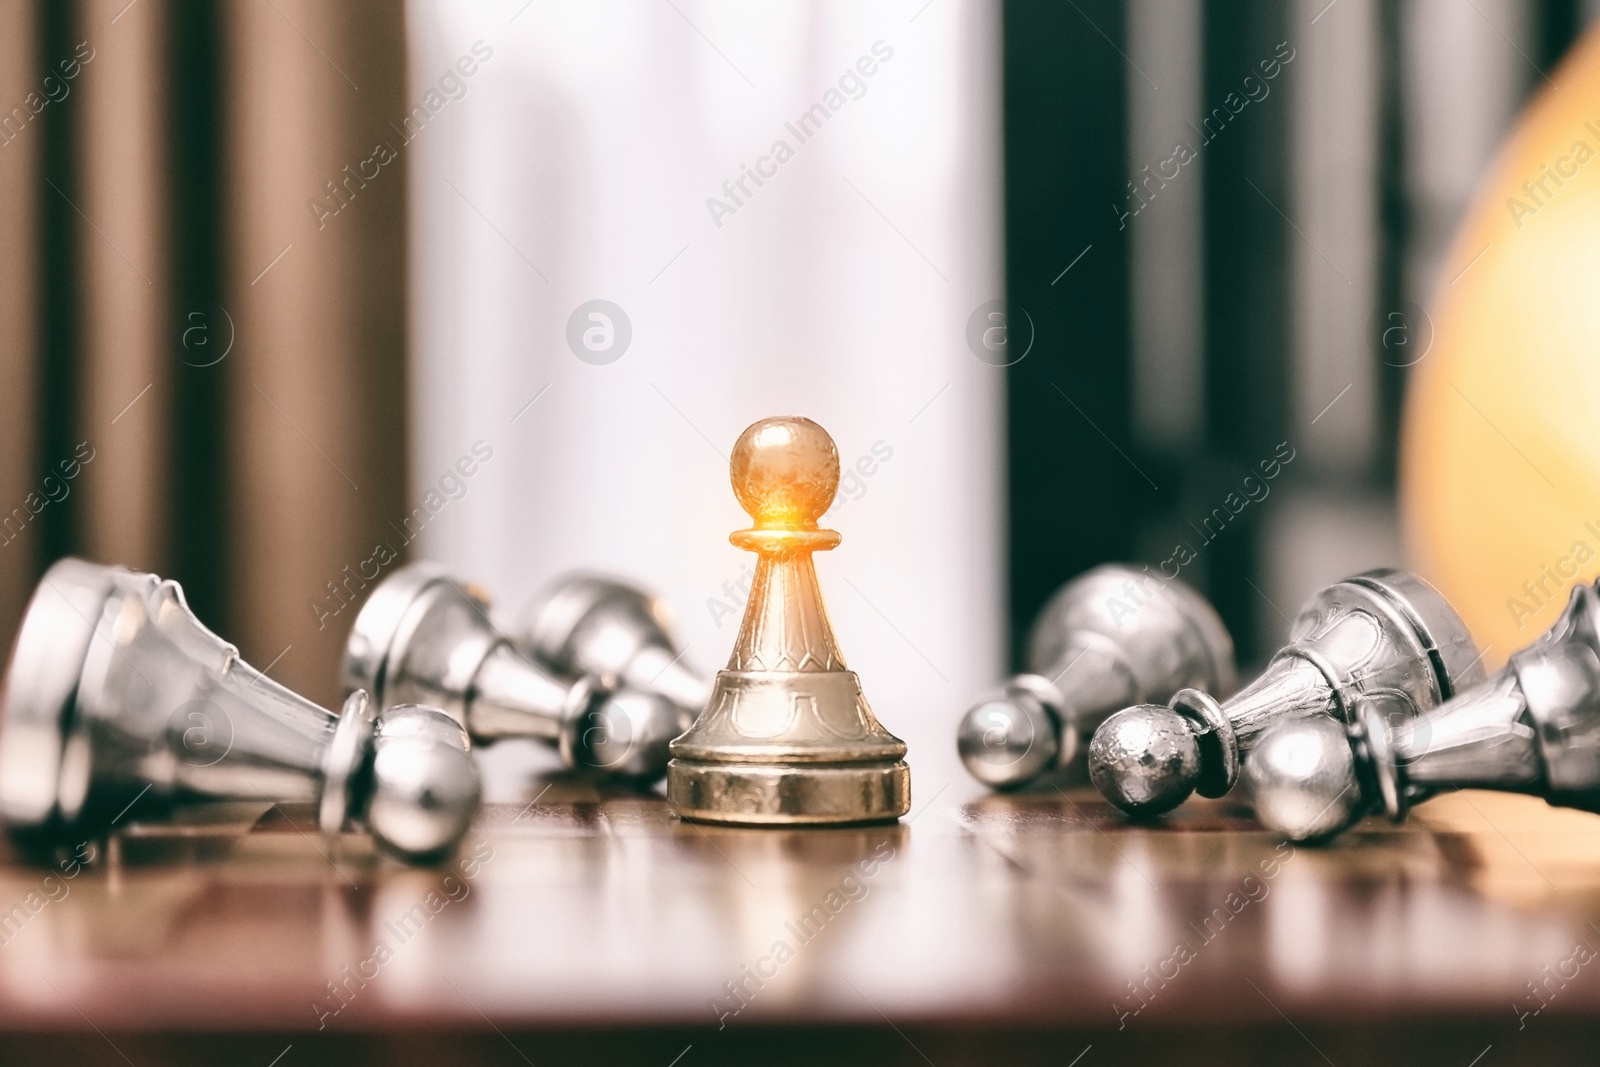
x=787, y=738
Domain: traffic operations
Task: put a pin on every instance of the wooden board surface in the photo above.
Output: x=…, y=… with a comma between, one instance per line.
x=1042, y=923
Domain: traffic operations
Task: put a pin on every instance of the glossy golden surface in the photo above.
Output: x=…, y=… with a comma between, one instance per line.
x=785, y=471
x=587, y=911
x=773, y=794
x=787, y=737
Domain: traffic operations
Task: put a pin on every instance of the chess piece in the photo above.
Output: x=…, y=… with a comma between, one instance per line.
x=609, y=628
x=787, y=737
x=1534, y=727
x=117, y=694
x=421, y=637
x=1110, y=638
x=1384, y=631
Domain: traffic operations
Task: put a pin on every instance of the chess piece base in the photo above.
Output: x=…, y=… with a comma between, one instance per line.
x=754, y=794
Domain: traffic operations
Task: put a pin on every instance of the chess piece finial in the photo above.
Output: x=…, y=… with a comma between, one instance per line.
x=1384, y=631
x=1533, y=727
x=117, y=694
x=423, y=637
x=610, y=628
x=1110, y=638
x=787, y=737
x=1301, y=779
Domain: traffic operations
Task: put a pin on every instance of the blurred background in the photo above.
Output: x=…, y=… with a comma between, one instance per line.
x=271, y=269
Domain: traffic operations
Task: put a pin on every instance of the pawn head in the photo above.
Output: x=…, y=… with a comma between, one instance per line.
x=628, y=734
x=425, y=787
x=785, y=471
x=1010, y=739
x=1301, y=777
x=1145, y=759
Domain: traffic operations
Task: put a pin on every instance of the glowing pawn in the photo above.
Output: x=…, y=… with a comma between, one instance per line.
x=787, y=737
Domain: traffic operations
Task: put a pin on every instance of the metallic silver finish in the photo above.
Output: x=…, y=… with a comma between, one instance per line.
x=1112, y=637
x=593, y=624
x=116, y=693
x=1143, y=759
x=423, y=637
x=425, y=787
x=1534, y=727
x=1301, y=779
x=1016, y=735
x=343, y=758
x=1384, y=632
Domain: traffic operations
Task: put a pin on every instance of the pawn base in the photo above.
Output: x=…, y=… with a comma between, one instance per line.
x=754, y=794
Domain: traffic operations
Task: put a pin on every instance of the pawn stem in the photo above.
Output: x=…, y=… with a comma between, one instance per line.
x=1110, y=638
x=423, y=636
x=1384, y=631
x=116, y=695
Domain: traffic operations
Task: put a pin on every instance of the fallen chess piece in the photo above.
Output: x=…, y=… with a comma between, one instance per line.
x=422, y=637
x=592, y=624
x=1110, y=638
x=116, y=694
x=1534, y=727
x=787, y=737
x=1384, y=631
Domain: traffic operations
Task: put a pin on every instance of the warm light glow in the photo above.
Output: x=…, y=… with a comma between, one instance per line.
x=785, y=471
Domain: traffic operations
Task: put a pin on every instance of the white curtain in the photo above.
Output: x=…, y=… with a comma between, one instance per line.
x=603, y=152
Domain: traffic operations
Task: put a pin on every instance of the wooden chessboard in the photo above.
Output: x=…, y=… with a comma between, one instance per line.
x=593, y=926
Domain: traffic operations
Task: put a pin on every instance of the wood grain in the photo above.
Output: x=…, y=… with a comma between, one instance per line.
x=595, y=920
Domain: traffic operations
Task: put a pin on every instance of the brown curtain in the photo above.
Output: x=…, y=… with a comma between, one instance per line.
x=19, y=189
x=221, y=370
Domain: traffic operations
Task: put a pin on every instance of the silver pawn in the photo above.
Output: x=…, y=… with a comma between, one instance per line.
x=1385, y=631
x=423, y=637
x=1112, y=637
x=1534, y=727
x=585, y=623
x=116, y=693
